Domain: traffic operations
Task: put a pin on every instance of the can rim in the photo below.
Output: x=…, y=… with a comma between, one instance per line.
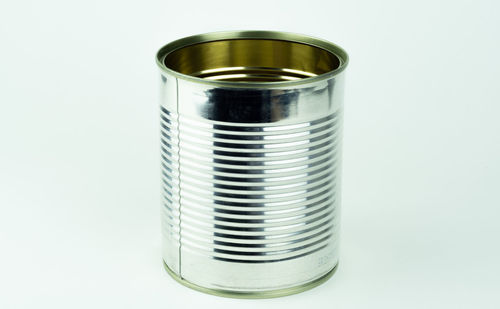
x=252, y=34
x=253, y=295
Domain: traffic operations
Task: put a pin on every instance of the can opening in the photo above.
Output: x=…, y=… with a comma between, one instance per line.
x=257, y=60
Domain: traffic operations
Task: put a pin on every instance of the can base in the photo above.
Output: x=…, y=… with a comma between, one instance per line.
x=253, y=295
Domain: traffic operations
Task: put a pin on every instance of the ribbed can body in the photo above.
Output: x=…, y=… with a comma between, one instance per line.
x=250, y=182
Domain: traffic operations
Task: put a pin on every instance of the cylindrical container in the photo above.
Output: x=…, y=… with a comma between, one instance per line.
x=251, y=149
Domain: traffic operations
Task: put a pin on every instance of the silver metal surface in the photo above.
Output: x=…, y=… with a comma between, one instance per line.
x=251, y=161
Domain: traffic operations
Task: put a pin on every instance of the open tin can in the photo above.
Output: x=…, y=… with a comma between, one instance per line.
x=251, y=127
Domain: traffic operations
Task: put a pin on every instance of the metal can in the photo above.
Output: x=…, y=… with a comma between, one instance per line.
x=251, y=125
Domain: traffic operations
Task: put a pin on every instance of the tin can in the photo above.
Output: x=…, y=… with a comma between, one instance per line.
x=251, y=125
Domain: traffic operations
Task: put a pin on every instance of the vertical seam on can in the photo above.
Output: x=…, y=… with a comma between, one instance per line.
x=179, y=170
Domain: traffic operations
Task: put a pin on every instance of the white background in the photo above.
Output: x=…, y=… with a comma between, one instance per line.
x=79, y=151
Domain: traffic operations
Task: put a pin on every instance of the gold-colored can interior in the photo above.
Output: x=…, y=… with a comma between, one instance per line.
x=254, y=60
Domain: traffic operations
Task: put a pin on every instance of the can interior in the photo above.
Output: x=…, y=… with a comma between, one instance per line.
x=258, y=60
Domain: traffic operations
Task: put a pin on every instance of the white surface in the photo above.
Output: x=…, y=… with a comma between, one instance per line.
x=79, y=159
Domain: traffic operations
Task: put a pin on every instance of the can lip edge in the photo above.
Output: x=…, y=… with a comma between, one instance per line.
x=254, y=295
x=252, y=34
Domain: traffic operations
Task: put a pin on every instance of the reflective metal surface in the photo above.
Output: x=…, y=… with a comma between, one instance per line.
x=258, y=59
x=251, y=148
